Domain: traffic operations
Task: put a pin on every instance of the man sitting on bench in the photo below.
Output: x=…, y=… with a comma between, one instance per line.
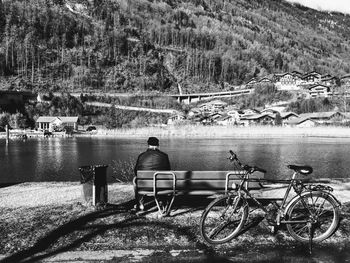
x=152, y=159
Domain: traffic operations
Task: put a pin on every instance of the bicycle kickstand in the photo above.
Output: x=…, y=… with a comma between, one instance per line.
x=311, y=234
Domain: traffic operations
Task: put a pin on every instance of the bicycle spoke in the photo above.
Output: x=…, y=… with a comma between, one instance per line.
x=223, y=220
x=320, y=213
x=216, y=230
x=300, y=229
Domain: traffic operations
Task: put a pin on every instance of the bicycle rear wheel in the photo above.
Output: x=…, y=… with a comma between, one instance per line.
x=223, y=219
x=314, y=209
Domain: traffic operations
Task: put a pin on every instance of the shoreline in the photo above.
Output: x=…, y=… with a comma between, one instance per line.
x=225, y=132
x=219, y=132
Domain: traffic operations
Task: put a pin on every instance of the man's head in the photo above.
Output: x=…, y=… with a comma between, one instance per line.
x=153, y=141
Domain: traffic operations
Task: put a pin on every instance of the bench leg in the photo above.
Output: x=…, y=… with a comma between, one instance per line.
x=164, y=205
x=139, y=201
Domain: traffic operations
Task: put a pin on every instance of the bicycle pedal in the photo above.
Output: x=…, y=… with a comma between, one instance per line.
x=272, y=229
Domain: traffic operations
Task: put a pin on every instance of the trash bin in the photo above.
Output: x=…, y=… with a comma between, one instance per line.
x=94, y=181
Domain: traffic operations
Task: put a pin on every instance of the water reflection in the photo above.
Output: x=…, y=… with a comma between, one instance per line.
x=58, y=159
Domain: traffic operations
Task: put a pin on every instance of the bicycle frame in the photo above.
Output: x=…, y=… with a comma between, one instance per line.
x=311, y=206
x=283, y=207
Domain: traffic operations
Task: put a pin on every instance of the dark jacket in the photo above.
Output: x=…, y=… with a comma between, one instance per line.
x=152, y=160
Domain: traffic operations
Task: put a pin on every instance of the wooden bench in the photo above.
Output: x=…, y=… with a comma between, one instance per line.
x=169, y=184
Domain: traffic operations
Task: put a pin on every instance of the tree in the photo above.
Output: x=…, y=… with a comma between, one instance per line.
x=4, y=119
x=2, y=19
x=111, y=118
x=278, y=119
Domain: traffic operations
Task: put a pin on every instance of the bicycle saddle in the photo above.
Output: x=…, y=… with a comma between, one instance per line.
x=303, y=169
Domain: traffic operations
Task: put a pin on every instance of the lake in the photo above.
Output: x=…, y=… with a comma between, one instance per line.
x=58, y=159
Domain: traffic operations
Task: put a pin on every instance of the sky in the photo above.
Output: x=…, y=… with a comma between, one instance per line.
x=326, y=5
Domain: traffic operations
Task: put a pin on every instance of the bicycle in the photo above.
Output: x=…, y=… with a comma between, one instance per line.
x=312, y=215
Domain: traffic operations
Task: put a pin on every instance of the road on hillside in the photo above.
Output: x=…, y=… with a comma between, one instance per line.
x=108, y=105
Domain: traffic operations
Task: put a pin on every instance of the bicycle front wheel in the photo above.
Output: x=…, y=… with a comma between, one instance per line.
x=315, y=210
x=223, y=219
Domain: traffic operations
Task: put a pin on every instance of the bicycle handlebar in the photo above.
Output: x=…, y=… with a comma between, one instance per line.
x=248, y=168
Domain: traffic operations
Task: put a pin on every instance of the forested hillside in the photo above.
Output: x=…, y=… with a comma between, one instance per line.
x=151, y=46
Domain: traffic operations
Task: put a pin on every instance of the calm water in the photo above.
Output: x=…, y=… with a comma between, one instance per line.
x=58, y=159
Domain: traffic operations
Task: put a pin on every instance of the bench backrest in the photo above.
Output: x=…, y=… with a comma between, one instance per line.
x=191, y=181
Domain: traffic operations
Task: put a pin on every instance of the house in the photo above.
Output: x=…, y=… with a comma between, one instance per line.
x=300, y=122
x=312, y=78
x=314, y=72
x=345, y=80
x=194, y=112
x=175, y=118
x=250, y=112
x=276, y=77
x=234, y=114
x=319, y=90
x=286, y=116
x=212, y=106
x=214, y=116
x=265, y=80
x=328, y=80
x=251, y=82
x=288, y=81
x=262, y=119
x=324, y=117
x=52, y=123
x=273, y=109
x=226, y=120
x=205, y=120
x=297, y=73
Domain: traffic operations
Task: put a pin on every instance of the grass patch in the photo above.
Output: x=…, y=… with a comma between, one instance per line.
x=123, y=171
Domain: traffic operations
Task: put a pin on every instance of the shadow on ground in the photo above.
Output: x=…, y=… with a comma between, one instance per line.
x=42, y=248
x=2, y=185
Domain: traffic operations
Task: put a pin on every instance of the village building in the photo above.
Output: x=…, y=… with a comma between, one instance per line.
x=251, y=82
x=234, y=114
x=297, y=73
x=175, y=118
x=249, y=112
x=226, y=120
x=319, y=90
x=265, y=80
x=328, y=80
x=324, y=117
x=345, y=80
x=194, y=112
x=205, y=120
x=288, y=81
x=52, y=123
x=300, y=122
x=286, y=116
x=311, y=78
x=257, y=119
x=273, y=109
x=213, y=106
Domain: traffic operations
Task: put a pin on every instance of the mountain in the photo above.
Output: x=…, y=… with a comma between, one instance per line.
x=152, y=46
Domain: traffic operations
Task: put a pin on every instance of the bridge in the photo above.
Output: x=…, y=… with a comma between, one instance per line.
x=195, y=97
x=181, y=98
